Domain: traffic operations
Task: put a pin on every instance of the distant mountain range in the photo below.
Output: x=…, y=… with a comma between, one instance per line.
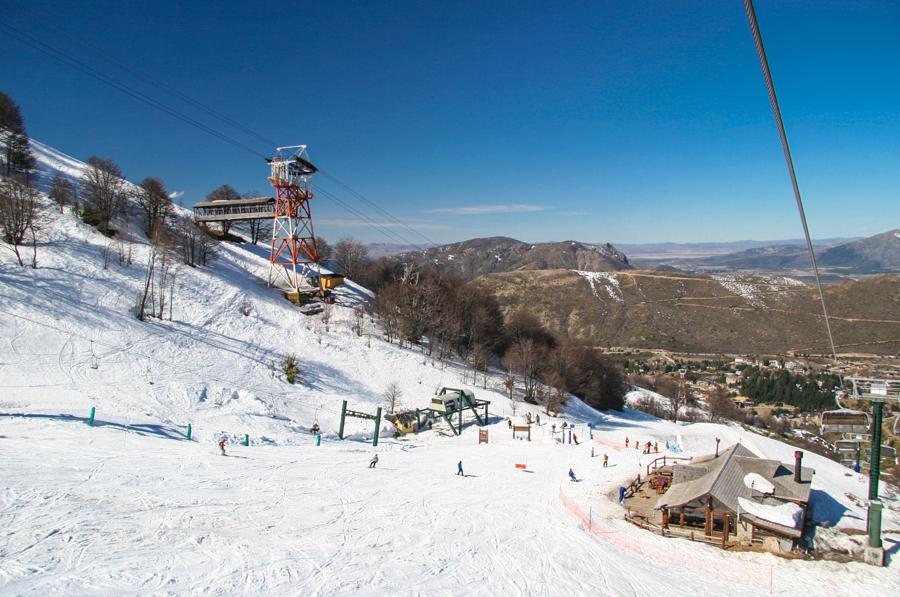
x=595, y=293
x=873, y=255
x=480, y=256
x=700, y=250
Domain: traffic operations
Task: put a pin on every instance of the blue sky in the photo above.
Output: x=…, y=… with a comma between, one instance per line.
x=596, y=121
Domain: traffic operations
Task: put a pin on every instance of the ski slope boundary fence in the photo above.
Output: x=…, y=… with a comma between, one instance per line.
x=760, y=576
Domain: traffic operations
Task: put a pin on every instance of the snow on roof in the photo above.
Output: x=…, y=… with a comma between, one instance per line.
x=723, y=478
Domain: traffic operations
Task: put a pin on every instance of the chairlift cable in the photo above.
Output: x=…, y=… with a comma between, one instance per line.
x=69, y=60
x=128, y=90
x=150, y=80
x=776, y=110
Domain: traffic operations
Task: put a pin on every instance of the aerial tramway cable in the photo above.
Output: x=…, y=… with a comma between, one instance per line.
x=69, y=60
x=776, y=110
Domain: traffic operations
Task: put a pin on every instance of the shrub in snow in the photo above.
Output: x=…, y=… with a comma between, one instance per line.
x=290, y=368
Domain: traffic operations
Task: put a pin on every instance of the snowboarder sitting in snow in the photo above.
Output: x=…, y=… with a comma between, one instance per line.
x=572, y=475
x=222, y=446
x=459, y=469
x=374, y=461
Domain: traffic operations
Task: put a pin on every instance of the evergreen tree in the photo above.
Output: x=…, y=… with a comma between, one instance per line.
x=18, y=161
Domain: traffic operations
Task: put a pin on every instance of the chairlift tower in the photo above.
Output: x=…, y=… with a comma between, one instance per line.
x=293, y=238
x=876, y=391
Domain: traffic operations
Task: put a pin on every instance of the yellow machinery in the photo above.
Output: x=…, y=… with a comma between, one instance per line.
x=405, y=422
x=330, y=281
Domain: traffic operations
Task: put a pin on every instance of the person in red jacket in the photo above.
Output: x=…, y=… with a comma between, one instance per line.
x=222, y=446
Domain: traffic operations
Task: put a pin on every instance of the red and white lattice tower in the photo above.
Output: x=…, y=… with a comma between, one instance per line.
x=293, y=239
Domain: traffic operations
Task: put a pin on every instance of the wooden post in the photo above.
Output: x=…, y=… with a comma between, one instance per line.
x=681, y=518
x=665, y=518
x=725, y=529
x=707, y=529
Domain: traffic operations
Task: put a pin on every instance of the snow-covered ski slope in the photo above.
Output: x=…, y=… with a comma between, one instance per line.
x=130, y=507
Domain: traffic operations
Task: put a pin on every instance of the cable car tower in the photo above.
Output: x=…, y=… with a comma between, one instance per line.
x=293, y=238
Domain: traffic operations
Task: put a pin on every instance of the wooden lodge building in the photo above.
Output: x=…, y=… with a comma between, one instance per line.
x=732, y=498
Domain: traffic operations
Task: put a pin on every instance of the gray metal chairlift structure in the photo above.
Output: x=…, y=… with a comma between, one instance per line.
x=877, y=392
x=451, y=410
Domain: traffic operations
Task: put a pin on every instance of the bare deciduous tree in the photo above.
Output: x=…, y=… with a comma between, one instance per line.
x=155, y=201
x=527, y=357
x=720, y=406
x=104, y=192
x=18, y=216
x=326, y=252
x=63, y=192
x=196, y=245
x=392, y=395
x=350, y=257
x=676, y=391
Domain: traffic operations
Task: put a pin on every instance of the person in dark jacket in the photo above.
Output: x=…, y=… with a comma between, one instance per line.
x=459, y=469
x=374, y=461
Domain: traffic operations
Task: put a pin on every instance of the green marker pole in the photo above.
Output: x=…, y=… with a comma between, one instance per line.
x=189, y=432
x=246, y=439
x=318, y=439
x=377, y=427
x=93, y=410
x=343, y=414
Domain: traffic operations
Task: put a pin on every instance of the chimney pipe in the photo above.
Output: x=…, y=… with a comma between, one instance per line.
x=798, y=460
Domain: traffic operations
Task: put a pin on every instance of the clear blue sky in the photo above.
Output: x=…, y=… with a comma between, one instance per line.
x=598, y=121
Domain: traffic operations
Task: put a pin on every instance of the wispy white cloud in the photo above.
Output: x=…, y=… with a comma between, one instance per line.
x=571, y=212
x=176, y=194
x=477, y=210
x=356, y=223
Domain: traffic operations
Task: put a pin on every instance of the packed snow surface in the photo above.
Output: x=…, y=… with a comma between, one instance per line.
x=130, y=506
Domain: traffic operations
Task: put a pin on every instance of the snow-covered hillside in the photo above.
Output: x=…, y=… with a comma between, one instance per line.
x=130, y=506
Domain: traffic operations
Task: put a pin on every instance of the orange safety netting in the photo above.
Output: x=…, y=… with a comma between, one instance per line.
x=744, y=573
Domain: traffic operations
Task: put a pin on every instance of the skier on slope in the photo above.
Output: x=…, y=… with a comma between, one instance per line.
x=459, y=469
x=222, y=446
x=572, y=475
x=374, y=461
x=605, y=460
